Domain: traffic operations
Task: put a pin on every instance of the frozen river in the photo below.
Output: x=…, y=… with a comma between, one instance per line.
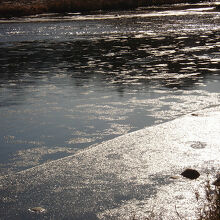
x=68, y=83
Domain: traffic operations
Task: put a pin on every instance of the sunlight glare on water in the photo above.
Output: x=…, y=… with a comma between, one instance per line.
x=70, y=83
x=63, y=96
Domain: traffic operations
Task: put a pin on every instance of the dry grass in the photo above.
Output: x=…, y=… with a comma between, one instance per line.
x=17, y=9
x=211, y=208
x=23, y=8
x=209, y=204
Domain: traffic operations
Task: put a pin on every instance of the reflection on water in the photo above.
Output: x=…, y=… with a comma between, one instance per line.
x=61, y=95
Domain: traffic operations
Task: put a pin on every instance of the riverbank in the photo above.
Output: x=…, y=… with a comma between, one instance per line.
x=20, y=8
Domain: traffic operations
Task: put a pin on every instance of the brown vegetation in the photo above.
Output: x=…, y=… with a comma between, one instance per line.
x=211, y=209
x=209, y=203
x=23, y=8
x=18, y=9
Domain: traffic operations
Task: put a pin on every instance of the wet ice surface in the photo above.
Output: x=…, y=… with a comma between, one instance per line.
x=84, y=79
x=126, y=176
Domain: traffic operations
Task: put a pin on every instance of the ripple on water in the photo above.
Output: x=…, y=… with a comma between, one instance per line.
x=77, y=91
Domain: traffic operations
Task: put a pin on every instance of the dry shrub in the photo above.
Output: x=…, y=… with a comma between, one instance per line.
x=211, y=208
x=24, y=7
x=18, y=9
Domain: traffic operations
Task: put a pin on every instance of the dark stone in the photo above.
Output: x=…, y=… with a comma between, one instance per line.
x=195, y=114
x=190, y=174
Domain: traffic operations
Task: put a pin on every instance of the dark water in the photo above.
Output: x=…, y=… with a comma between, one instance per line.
x=67, y=83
